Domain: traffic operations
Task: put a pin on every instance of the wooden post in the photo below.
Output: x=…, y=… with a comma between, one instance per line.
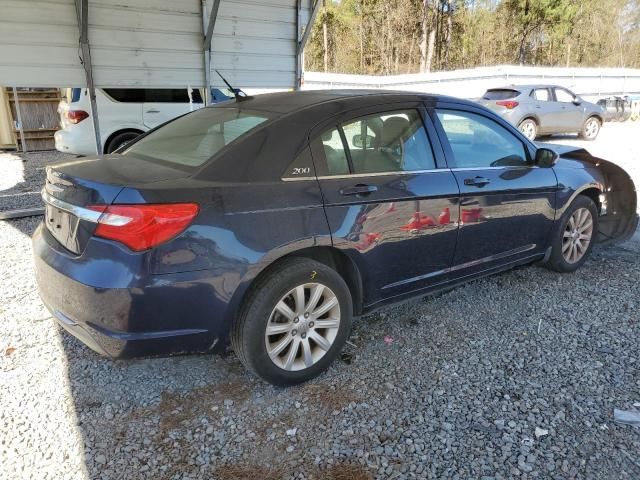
x=16, y=102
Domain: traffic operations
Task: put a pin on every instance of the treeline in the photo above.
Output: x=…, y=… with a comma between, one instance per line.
x=409, y=36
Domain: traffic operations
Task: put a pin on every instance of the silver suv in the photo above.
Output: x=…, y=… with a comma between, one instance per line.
x=545, y=109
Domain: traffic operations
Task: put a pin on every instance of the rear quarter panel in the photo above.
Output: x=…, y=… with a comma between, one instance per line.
x=241, y=229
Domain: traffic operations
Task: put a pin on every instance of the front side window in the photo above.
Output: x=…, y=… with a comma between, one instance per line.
x=564, y=96
x=479, y=142
x=193, y=139
x=380, y=143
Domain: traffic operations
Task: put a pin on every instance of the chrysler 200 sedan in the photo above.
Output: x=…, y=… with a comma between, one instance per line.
x=269, y=223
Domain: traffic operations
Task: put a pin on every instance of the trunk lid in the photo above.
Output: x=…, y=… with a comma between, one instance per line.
x=73, y=186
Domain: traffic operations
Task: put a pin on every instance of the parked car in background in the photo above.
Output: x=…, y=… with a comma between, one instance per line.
x=616, y=109
x=269, y=223
x=545, y=110
x=124, y=113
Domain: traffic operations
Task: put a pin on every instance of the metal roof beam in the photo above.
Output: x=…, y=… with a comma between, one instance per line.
x=82, y=15
x=302, y=40
x=207, y=29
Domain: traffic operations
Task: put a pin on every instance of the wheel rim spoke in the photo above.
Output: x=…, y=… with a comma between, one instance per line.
x=291, y=356
x=284, y=309
x=299, y=299
x=328, y=323
x=306, y=353
x=325, y=307
x=278, y=328
x=316, y=294
x=322, y=342
x=280, y=346
x=587, y=225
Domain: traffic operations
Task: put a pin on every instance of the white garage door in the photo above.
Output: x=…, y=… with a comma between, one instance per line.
x=150, y=43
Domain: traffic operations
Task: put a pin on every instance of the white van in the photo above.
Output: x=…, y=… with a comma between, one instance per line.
x=124, y=113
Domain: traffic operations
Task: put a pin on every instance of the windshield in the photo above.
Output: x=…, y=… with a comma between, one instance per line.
x=193, y=139
x=502, y=94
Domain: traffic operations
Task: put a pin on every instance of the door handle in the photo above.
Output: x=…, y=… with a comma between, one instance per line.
x=153, y=111
x=477, y=181
x=359, y=189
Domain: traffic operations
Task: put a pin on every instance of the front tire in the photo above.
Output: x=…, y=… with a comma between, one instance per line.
x=574, y=236
x=529, y=128
x=590, y=129
x=294, y=322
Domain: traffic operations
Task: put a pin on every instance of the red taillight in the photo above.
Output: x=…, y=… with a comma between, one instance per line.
x=508, y=103
x=141, y=227
x=76, y=116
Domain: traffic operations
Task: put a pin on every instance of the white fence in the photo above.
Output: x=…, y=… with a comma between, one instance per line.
x=591, y=83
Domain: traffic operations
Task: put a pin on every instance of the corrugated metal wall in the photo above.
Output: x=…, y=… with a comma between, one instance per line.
x=148, y=43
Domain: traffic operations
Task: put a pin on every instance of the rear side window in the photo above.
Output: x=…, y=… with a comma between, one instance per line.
x=500, y=94
x=479, y=142
x=541, y=94
x=193, y=139
x=382, y=143
x=153, y=95
x=334, y=152
x=126, y=95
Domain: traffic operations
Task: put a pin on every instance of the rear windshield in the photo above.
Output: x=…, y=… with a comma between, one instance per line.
x=500, y=94
x=193, y=139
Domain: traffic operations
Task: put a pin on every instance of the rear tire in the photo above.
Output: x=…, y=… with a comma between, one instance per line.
x=529, y=128
x=120, y=140
x=590, y=129
x=574, y=236
x=279, y=336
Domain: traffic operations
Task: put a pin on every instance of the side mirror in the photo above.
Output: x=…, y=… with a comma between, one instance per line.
x=577, y=101
x=360, y=142
x=545, y=157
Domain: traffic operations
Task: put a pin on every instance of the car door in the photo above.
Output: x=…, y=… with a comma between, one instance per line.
x=389, y=205
x=546, y=110
x=571, y=114
x=506, y=203
x=164, y=104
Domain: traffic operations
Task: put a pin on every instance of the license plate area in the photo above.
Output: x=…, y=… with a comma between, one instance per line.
x=63, y=226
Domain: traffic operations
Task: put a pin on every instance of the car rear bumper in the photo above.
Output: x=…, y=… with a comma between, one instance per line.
x=168, y=315
x=75, y=140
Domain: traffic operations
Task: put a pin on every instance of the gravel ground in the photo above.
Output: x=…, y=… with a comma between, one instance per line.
x=23, y=177
x=512, y=376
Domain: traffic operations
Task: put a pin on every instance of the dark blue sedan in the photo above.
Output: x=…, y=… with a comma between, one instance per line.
x=270, y=222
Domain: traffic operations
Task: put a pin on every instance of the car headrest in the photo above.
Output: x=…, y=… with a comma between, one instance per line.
x=393, y=129
x=327, y=136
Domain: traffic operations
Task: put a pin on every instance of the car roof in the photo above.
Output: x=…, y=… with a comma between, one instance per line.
x=525, y=86
x=290, y=102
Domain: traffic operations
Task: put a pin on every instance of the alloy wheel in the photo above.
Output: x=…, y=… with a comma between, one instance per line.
x=577, y=235
x=528, y=128
x=303, y=326
x=591, y=128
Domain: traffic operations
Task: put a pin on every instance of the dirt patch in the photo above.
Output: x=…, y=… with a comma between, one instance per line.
x=332, y=398
x=347, y=471
x=175, y=408
x=249, y=472
x=339, y=471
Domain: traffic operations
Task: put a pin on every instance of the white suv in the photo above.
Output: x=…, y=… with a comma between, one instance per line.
x=124, y=113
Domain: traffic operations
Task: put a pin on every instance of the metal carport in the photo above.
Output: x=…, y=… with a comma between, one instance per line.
x=153, y=43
